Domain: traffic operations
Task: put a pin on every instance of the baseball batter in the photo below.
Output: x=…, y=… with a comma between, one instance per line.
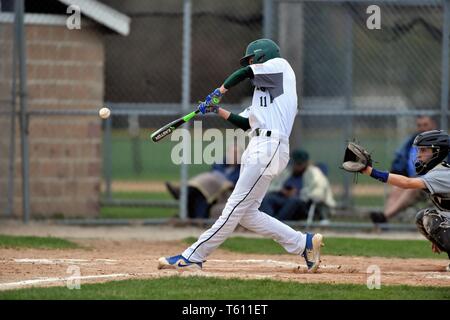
x=433, y=177
x=269, y=119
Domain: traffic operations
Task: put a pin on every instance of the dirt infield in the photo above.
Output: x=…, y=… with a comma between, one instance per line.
x=106, y=260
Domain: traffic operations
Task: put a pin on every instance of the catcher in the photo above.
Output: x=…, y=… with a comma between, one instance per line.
x=433, y=177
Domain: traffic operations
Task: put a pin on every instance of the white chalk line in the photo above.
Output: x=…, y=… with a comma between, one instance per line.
x=208, y=274
x=66, y=261
x=24, y=283
x=274, y=263
x=438, y=275
x=111, y=261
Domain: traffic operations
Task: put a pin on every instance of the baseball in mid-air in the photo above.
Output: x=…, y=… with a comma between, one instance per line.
x=104, y=113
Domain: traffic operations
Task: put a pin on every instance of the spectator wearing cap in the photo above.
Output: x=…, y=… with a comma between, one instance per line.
x=295, y=190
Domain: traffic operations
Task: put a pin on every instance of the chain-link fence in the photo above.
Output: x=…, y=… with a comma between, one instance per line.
x=353, y=81
x=362, y=82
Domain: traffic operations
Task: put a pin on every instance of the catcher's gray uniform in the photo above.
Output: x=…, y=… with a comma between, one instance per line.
x=434, y=223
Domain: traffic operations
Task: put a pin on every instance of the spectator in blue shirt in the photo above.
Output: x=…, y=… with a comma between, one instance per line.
x=400, y=199
x=295, y=190
x=286, y=187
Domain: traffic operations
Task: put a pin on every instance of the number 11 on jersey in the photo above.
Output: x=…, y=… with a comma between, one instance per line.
x=263, y=101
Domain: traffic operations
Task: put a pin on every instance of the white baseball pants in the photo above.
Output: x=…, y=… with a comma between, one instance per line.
x=264, y=158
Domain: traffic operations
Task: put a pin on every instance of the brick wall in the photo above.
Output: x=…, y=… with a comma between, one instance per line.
x=5, y=106
x=65, y=71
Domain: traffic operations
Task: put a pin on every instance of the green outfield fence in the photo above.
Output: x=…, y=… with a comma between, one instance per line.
x=151, y=61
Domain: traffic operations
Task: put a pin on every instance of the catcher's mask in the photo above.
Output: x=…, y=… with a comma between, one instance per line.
x=439, y=142
x=260, y=50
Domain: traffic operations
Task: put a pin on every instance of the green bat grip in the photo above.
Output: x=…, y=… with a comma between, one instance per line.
x=189, y=116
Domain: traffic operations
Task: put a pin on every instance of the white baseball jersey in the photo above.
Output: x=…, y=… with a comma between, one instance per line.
x=274, y=103
x=274, y=107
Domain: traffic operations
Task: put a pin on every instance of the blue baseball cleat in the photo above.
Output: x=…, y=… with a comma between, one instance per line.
x=312, y=251
x=178, y=262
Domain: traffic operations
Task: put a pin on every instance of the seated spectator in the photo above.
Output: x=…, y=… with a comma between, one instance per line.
x=207, y=189
x=400, y=199
x=306, y=184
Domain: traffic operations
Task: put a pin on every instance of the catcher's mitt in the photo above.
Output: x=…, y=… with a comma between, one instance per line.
x=356, y=158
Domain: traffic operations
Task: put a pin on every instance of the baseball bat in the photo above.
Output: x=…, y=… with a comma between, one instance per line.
x=170, y=127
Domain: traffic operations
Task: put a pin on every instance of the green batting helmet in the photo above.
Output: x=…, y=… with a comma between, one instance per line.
x=261, y=50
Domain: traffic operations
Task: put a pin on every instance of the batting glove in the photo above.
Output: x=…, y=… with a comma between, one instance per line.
x=204, y=108
x=213, y=98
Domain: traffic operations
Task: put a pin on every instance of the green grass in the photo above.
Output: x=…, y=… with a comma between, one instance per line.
x=138, y=212
x=35, y=242
x=339, y=247
x=156, y=163
x=148, y=213
x=177, y=287
x=155, y=159
x=369, y=201
x=136, y=195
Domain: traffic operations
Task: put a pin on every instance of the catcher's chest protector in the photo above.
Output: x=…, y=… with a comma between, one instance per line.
x=441, y=201
x=441, y=197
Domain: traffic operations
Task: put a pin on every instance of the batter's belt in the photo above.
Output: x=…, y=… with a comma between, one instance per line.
x=269, y=133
